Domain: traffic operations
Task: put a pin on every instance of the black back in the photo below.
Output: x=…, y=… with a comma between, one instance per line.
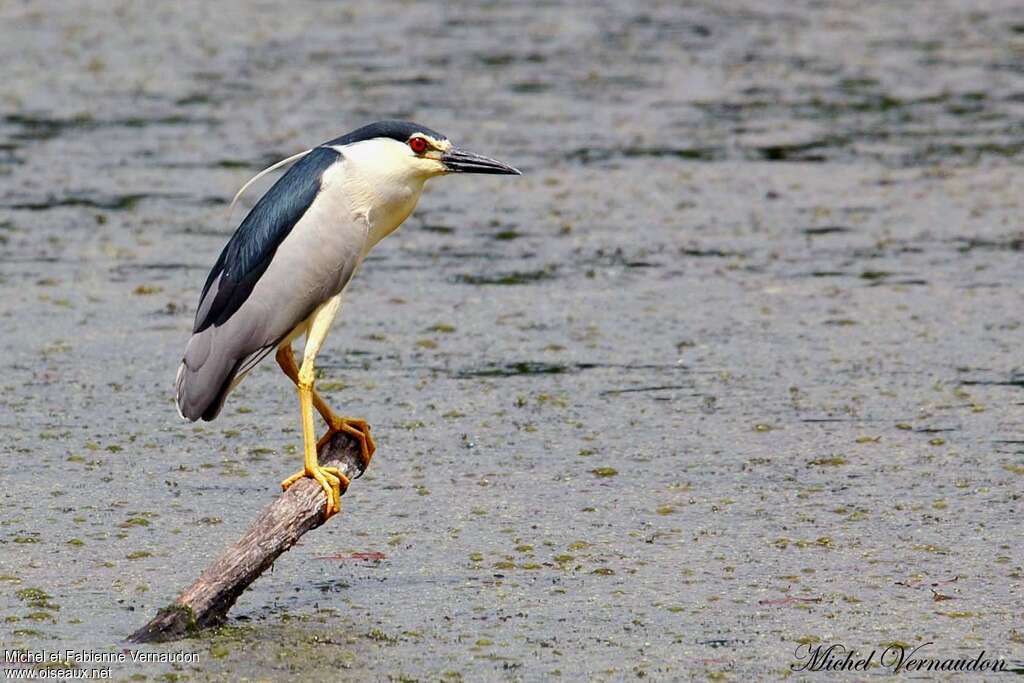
x=250, y=250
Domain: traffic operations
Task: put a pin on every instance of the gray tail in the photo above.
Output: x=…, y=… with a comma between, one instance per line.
x=205, y=378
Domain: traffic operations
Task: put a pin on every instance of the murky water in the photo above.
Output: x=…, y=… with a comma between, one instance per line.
x=734, y=366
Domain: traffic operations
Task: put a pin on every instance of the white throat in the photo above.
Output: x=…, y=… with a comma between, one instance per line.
x=381, y=187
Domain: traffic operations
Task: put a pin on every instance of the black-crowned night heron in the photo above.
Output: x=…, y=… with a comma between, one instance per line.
x=284, y=271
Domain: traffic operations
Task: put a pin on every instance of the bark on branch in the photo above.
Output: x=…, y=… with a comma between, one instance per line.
x=281, y=524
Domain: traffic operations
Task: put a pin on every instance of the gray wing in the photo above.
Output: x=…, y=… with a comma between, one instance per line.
x=296, y=249
x=249, y=251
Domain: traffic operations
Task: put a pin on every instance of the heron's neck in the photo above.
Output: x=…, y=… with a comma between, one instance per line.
x=379, y=195
x=392, y=202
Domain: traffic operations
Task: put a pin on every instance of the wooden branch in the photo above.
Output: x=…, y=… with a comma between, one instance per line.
x=281, y=524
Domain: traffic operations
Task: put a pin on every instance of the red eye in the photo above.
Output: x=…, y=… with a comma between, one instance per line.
x=418, y=145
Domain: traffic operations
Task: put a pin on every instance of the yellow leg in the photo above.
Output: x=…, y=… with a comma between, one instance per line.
x=335, y=423
x=330, y=478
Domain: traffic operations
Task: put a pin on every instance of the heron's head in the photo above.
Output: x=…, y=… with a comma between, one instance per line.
x=403, y=148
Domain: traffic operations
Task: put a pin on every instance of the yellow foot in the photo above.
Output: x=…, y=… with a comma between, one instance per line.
x=333, y=482
x=355, y=427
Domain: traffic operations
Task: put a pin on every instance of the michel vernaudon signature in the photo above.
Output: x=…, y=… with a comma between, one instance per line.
x=896, y=658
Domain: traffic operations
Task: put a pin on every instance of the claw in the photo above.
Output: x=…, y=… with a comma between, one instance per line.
x=358, y=429
x=331, y=479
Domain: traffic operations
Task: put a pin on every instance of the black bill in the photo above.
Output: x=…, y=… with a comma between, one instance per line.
x=458, y=161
